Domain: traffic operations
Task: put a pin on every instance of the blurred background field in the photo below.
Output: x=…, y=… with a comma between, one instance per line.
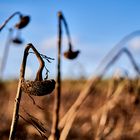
x=105, y=114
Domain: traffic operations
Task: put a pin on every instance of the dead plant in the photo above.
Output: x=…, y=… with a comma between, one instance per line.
x=38, y=87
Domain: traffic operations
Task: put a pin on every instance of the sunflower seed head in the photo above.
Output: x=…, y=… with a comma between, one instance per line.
x=17, y=40
x=38, y=88
x=71, y=54
x=24, y=20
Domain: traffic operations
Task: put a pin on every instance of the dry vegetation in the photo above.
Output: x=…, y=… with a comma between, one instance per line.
x=98, y=109
x=110, y=112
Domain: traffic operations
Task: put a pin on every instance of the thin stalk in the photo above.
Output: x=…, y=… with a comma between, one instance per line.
x=55, y=131
x=19, y=91
x=67, y=122
x=6, y=52
x=115, y=50
x=87, y=89
x=67, y=30
x=68, y=119
x=115, y=58
x=8, y=19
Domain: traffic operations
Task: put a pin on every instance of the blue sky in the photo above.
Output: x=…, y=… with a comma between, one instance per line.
x=95, y=26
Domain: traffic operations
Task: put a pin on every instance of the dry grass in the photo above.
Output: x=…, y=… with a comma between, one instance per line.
x=101, y=116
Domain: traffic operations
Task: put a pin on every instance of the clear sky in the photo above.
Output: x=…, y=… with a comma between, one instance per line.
x=95, y=26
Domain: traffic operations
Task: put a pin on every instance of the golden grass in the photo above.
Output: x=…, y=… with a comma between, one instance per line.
x=100, y=116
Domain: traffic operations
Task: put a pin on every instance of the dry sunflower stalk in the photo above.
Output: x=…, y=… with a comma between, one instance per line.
x=32, y=87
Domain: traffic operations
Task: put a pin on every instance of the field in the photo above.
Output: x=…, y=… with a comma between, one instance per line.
x=110, y=112
x=104, y=107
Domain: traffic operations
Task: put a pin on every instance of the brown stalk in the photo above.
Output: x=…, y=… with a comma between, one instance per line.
x=30, y=122
x=115, y=49
x=67, y=122
x=55, y=130
x=68, y=126
x=71, y=113
x=67, y=30
x=106, y=107
x=55, y=134
x=19, y=91
x=90, y=86
x=8, y=19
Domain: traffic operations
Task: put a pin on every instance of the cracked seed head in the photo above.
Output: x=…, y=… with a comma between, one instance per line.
x=38, y=88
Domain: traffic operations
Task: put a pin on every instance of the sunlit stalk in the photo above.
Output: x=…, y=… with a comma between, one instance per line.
x=19, y=91
x=55, y=131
